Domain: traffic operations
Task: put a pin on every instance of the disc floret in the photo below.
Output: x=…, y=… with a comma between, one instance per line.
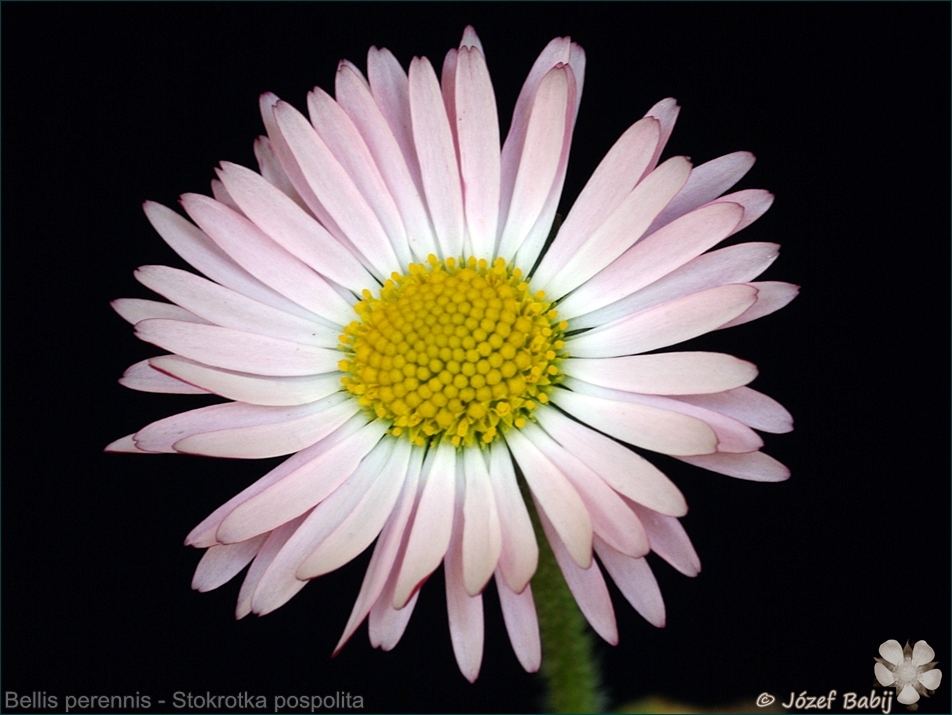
x=453, y=350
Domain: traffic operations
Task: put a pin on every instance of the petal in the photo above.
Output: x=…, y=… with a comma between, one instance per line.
x=133, y=310
x=465, y=611
x=387, y=624
x=922, y=653
x=732, y=435
x=667, y=324
x=343, y=139
x=522, y=623
x=201, y=252
x=891, y=651
x=612, y=519
x=539, y=158
x=353, y=94
x=623, y=228
x=623, y=470
x=644, y=426
x=477, y=128
x=771, y=297
x=749, y=406
x=519, y=555
x=244, y=387
x=357, y=525
x=635, y=580
x=221, y=563
x=884, y=675
x=666, y=113
x=142, y=376
x=586, y=584
x=556, y=495
x=755, y=466
x=669, y=540
x=335, y=191
x=437, y=156
x=930, y=679
x=432, y=524
x=229, y=309
x=613, y=180
x=280, y=582
x=300, y=427
x=387, y=551
x=273, y=172
x=707, y=182
x=237, y=350
x=272, y=545
x=908, y=696
x=654, y=257
x=734, y=264
x=664, y=374
x=301, y=489
x=204, y=534
x=251, y=248
x=481, y=540
x=293, y=228
x=124, y=445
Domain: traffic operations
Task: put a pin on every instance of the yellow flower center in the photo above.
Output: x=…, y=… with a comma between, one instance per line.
x=456, y=351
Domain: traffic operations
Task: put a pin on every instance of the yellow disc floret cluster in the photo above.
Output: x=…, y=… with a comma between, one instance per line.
x=457, y=351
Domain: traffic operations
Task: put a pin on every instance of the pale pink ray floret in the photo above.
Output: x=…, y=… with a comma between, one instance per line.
x=401, y=175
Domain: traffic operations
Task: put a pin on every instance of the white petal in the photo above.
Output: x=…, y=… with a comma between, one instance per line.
x=142, y=376
x=664, y=374
x=930, y=679
x=891, y=651
x=755, y=466
x=556, y=495
x=669, y=540
x=635, y=580
x=666, y=324
x=272, y=545
x=752, y=408
x=221, y=563
x=922, y=653
x=432, y=524
x=641, y=425
x=481, y=541
x=520, y=552
x=908, y=696
x=132, y=310
x=884, y=675
x=464, y=610
x=625, y=471
x=522, y=623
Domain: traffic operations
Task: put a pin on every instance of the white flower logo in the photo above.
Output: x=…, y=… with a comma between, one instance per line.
x=911, y=670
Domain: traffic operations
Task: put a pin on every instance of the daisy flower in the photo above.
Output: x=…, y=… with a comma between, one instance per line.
x=380, y=303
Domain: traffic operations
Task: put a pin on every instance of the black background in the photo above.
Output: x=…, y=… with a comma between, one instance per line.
x=846, y=107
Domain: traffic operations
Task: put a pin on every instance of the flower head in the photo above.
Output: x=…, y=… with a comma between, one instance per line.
x=911, y=670
x=378, y=304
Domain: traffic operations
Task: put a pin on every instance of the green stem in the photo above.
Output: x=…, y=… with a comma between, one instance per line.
x=568, y=664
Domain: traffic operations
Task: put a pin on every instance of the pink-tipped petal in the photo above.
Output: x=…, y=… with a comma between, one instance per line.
x=667, y=324
x=669, y=540
x=520, y=552
x=267, y=261
x=477, y=128
x=302, y=489
x=273, y=544
x=707, y=182
x=752, y=408
x=237, y=350
x=432, y=524
x=586, y=584
x=125, y=445
x=653, y=428
x=244, y=387
x=142, y=376
x=390, y=88
x=612, y=181
x=464, y=609
x=481, y=541
x=666, y=113
x=635, y=580
x=229, y=309
x=222, y=563
x=754, y=466
x=437, y=156
x=665, y=373
x=273, y=172
x=294, y=228
x=654, y=257
x=522, y=623
x=771, y=297
x=387, y=624
x=623, y=228
x=558, y=497
x=132, y=310
x=622, y=469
